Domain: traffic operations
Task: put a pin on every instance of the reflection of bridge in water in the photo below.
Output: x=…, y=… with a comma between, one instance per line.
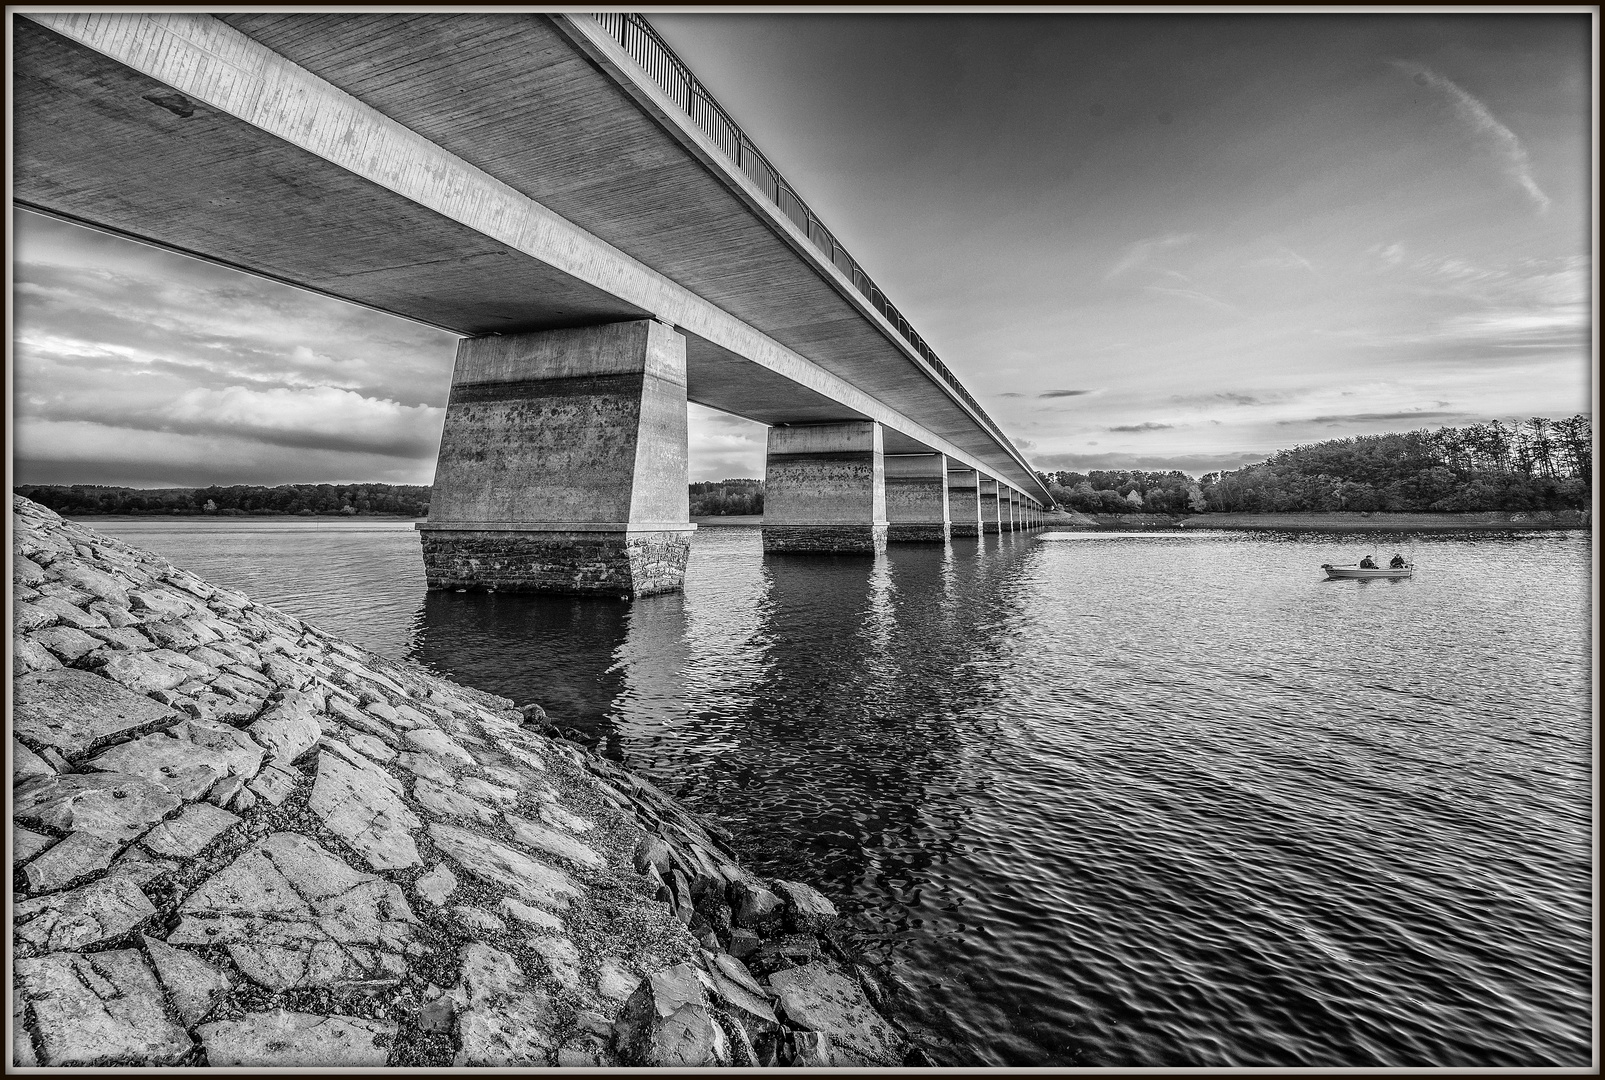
x=822, y=691
x=562, y=193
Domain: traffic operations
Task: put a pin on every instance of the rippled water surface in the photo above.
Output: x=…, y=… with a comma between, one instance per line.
x=1111, y=799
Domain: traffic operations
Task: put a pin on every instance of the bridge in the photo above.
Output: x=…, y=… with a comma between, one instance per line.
x=561, y=193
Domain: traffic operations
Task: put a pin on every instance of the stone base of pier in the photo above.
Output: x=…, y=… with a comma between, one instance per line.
x=582, y=562
x=903, y=533
x=827, y=539
x=965, y=528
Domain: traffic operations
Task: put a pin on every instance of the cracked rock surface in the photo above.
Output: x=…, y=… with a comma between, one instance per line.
x=239, y=841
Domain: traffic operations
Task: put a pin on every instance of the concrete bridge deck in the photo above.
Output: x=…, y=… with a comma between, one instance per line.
x=486, y=173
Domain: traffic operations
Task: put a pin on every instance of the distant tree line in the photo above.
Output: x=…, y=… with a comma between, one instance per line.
x=741, y=496
x=1538, y=464
x=1126, y=491
x=714, y=498
x=239, y=500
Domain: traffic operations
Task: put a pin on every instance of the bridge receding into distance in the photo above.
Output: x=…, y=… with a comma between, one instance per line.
x=560, y=192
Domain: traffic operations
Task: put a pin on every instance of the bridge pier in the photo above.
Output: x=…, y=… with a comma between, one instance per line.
x=563, y=464
x=825, y=489
x=916, y=498
x=991, y=522
x=964, y=502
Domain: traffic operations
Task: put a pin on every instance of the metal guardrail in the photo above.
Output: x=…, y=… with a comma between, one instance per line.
x=636, y=36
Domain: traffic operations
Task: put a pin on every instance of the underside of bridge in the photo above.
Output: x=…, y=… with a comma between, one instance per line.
x=480, y=172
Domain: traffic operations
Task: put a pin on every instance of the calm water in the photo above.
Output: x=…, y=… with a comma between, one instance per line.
x=1095, y=800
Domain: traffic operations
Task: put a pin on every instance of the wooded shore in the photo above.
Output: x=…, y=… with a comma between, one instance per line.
x=1325, y=522
x=1331, y=521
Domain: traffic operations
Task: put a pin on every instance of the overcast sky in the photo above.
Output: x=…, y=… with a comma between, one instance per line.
x=1149, y=241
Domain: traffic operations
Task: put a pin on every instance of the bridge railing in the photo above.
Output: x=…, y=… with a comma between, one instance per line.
x=636, y=36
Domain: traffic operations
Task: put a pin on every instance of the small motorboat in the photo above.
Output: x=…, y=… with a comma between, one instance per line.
x=1355, y=570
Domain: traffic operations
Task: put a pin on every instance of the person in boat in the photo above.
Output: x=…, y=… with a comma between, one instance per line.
x=1368, y=563
x=1397, y=563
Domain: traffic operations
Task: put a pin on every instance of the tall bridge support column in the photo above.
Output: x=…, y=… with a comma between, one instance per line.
x=825, y=489
x=916, y=498
x=964, y=502
x=991, y=523
x=1014, y=511
x=563, y=464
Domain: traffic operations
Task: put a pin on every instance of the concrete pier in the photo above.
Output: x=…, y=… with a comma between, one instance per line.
x=964, y=502
x=563, y=464
x=991, y=523
x=825, y=489
x=916, y=498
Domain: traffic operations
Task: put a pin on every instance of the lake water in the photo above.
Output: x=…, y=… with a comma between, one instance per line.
x=1094, y=800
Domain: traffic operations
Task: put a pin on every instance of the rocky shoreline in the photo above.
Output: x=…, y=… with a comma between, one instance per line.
x=240, y=841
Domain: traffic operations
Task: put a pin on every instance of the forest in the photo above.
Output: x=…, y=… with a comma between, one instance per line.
x=238, y=500
x=722, y=497
x=1538, y=464
x=307, y=500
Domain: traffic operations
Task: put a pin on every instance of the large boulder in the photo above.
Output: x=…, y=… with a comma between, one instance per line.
x=756, y=907
x=502, y=1020
x=74, y=711
x=818, y=997
x=286, y=1039
x=807, y=910
x=669, y=1023
x=100, y=1009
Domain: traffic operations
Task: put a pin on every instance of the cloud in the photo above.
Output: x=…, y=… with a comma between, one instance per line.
x=1142, y=427
x=1192, y=464
x=1469, y=313
x=83, y=296
x=1140, y=252
x=1063, y=393
x=76, y=451
x=1287, y=259
x=1011, y=395
x=1195, y=296
x=723, y=446
x=1357, y=418
x=323, y=417
x=1223, y=398
x=1485, y=128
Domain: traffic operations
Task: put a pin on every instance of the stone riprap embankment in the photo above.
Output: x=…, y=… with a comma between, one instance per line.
x=240, y=841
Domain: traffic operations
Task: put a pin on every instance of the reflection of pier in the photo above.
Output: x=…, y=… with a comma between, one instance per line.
x=555, y=650
x=562, y=193
x=831, y=692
